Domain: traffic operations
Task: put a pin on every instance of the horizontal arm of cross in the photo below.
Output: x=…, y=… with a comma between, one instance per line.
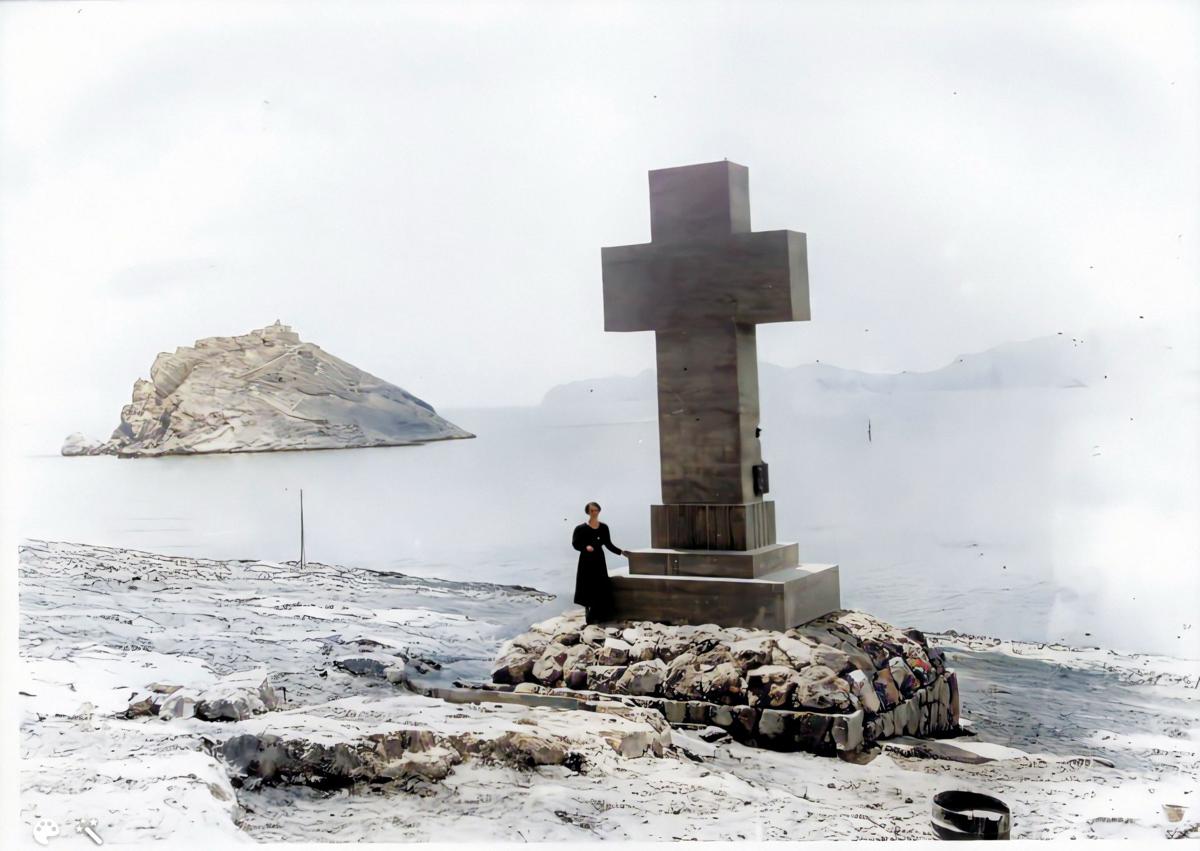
x=749, y=278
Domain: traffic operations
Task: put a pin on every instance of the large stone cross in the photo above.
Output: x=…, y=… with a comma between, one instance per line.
x=702, y=285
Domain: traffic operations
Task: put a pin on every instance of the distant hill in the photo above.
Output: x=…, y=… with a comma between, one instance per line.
x=1057, y=361
x=260, y=392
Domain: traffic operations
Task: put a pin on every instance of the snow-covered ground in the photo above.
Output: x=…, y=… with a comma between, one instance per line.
x=1085, y=743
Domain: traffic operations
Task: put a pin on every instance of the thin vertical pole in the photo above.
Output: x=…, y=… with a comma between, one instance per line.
x=301, y=528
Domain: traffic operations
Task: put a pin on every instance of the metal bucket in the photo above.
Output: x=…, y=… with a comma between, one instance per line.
x=970, y=815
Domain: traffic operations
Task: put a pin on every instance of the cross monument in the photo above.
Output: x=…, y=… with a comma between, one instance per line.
x=702, y=285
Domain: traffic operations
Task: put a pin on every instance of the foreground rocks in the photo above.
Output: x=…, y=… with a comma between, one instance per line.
x=415, y=756
x=234, y=697
x=262, y=391
x=838, y=683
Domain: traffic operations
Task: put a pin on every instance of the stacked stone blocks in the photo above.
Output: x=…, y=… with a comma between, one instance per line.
x=838, y=683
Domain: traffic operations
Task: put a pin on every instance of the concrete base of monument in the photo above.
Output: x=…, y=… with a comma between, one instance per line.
x=735, y=564
x=835, y=684
x=784, y=598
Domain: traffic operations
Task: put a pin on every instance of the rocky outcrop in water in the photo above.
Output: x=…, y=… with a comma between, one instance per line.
x=263, y=391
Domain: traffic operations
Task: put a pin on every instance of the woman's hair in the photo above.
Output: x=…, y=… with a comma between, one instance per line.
x=589, y=505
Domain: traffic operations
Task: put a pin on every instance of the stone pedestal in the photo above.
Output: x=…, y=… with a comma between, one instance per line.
x=778, y=600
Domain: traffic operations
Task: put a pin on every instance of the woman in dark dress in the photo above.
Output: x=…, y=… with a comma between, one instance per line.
x=592, y=588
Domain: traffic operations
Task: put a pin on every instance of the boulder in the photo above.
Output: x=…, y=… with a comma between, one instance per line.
x=366, y=666
x=177, y=705
x=672, y=646
x=684, y=682
x=754, y=652
x=819, y=687
x=530, y=641
x=778, y=657
x=920, y=667
x=799, y=653
x=771, y=686
x=885, y=688
x=530, y=688
x=848, y=731
x=697, y=711
x=903, y=676
x=593, y=635
x=236, y=697
x=579, y=656
x=632, y=635
x=879, y=652
x=614, y=651
x=864, y=689
x=528, y=749
x=651, y=733
x=809, y=731
x=716, y=655
x=675, y=711
x=643, y=678
x=643, y=651
x=604, y=677
x=432, y=765
x=832, y=658
x=142, y=707
x=723, y=684
x=550, y=626
x=513, y=667
x=548, y=669
x=745, y=721
x=859, y=659
x=772, y=725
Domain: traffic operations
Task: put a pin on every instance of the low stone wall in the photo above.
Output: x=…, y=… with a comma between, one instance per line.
x=841, y=682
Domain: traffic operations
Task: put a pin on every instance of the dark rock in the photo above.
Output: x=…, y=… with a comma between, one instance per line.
x=771, y=686
x=885, y=688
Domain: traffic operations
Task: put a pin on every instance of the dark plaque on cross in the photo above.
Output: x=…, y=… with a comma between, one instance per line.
x=702, y=285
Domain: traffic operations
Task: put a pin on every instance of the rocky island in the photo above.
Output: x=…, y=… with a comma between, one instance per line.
x=259, y=392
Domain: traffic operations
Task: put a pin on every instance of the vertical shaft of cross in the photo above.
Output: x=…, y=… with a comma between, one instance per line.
x=708, y=413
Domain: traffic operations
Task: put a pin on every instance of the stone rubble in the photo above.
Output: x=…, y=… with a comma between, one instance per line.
x=839, y=683
x=234, y=697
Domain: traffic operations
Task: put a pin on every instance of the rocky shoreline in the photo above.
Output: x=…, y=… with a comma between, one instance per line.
x=233, y=701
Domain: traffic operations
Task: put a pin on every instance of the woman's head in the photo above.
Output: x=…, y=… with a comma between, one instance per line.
x=592, y=509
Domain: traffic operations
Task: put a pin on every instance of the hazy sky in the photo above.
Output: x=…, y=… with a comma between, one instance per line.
x=423, y=190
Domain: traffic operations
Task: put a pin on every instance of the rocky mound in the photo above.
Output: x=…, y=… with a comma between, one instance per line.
x=263, y=391
x=836, y=683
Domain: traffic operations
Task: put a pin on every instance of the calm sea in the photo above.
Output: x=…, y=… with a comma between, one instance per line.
x=1041, y=515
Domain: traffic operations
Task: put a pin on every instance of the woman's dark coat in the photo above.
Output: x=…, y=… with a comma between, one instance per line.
x=592, y=588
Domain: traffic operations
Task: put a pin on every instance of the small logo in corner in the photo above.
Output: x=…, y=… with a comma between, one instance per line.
x=43, y=830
